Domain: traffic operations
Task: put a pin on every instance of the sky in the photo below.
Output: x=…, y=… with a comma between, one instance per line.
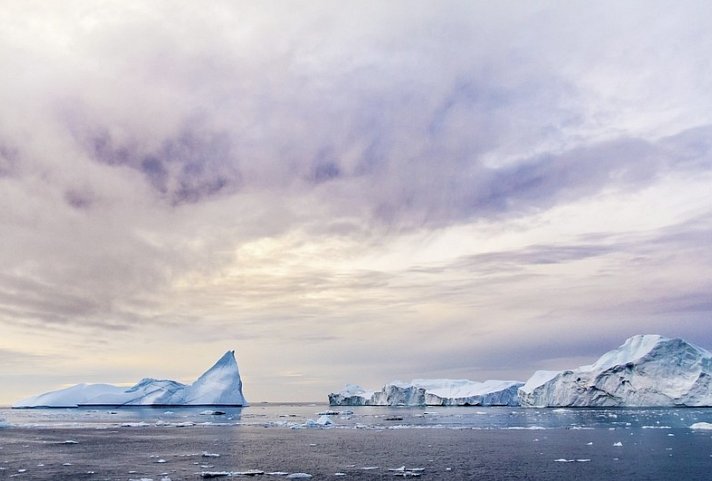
x=348, y=192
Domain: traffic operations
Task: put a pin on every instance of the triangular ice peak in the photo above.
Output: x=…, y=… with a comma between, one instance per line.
x=218, y=386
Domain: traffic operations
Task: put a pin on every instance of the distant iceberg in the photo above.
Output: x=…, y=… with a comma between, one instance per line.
x=220, y=385
x=646, y=371
x=431, y=392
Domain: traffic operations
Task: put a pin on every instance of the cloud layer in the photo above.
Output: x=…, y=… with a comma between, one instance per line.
x=350, y=192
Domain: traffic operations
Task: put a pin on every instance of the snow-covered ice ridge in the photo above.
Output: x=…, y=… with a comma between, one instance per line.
x=646, y=371
x=431, y=392
x=218, y=386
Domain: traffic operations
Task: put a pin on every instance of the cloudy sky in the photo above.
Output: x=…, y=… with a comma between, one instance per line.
x=348, y=191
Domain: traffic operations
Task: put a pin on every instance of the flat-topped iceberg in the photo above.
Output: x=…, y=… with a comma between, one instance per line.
x=646, y=371
x=218, y=386
x=431, y=392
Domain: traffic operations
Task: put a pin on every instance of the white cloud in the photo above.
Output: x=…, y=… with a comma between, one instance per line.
x=334, y=181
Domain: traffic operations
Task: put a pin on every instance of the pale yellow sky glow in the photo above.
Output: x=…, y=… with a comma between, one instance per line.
x=353, y=193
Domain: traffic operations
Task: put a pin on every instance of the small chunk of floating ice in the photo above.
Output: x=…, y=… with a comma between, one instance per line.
x=562, y=460
x=161, y=461
x=324, y=421
x=339, y=474
x=249, y=472
x=589, y=444
x=225, y=474
x=135, y=425
x=66, y=464
x=166, y=478
x=21, y=470
x=69, y=441
x=618, y=444
x=210, y=455
x=277, y=473
x=702, y=426
x=210, y=412
x=185, y=424
x=299, y=476
x=328, y=413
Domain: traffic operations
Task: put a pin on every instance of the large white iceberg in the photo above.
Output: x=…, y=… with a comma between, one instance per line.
x=218, y=386
x=647, y=370
x=431, y=392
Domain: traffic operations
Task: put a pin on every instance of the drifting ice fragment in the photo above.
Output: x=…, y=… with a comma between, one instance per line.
x=702, y=426
x=324, y=420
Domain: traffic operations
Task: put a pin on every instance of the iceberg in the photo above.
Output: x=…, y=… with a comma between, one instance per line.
x=646, y=371
x=431, y=392
x=351, y=395
x=220, y=385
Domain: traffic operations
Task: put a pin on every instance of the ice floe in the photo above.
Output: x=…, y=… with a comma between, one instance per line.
x=702, y=426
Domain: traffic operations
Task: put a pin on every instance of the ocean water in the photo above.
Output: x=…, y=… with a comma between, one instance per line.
x=447, y=443
x=363, y=417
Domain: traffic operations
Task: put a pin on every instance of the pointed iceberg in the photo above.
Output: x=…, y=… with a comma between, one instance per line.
x=220, y=385
x=646, y=371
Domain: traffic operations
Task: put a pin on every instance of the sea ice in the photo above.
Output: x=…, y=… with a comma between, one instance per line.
x=324, y=420
x=702, y=426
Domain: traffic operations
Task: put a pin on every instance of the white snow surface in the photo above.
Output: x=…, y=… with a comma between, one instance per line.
x=431, y=392
x=646, y=371
x=219, y=385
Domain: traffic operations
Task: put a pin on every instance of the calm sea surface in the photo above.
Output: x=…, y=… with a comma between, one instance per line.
x=361, y=443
